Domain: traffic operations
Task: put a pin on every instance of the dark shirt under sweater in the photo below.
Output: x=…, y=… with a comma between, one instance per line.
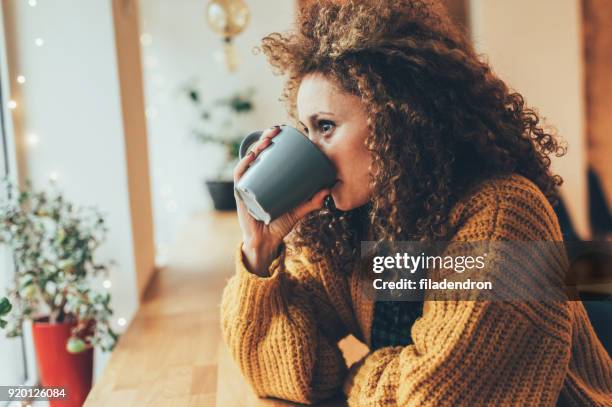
x=393, y=322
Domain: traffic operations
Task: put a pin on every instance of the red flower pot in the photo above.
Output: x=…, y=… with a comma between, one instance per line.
x=60, y=368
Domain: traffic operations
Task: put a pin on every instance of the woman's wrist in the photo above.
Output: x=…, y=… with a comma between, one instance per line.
x=260, y=257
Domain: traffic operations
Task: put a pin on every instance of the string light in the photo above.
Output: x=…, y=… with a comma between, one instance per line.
x=53, y=176
x=32, y=3
x=32, y=139
x=21, y=79
x=146, y=39
x=107, y=284
x=121, y=321
x=11, y=104
x=39, y=42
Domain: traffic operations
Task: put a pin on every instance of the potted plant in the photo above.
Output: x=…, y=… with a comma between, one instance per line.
x=53, y=244
x=219, y=123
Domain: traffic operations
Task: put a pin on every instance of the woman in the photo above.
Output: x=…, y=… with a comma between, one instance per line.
x=429, y=145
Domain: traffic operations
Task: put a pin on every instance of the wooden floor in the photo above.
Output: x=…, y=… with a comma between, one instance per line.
x=172, y=353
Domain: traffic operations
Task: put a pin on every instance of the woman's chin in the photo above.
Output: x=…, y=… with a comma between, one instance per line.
x=343, y=201
x=340, y=203
x=337, y=200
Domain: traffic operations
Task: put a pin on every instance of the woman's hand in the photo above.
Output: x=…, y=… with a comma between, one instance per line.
x=260, y=241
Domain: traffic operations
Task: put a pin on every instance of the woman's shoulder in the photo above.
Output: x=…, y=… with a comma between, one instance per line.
x=504, y=186
x=509, y=204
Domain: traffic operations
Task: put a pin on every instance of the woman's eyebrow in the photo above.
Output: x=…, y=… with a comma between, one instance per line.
x=314, y=115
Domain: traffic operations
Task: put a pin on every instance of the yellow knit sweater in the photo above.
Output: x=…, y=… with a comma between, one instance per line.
x=283, y=330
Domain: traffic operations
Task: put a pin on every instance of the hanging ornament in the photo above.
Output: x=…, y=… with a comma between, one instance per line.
x=228, y=18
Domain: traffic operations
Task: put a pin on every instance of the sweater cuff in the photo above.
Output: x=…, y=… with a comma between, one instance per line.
x=262, y=293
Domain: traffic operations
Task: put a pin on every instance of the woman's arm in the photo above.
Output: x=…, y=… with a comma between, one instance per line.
x=482, y=352
x=273, y=328
x=465, y=353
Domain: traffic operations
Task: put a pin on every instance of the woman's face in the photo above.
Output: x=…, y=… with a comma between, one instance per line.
x=336, y=122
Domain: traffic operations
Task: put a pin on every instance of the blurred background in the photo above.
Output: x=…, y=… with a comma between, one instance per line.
x=136, y=108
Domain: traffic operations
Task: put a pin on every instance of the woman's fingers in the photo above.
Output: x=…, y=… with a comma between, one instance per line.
x=264, y=140
x=243, y=165
x=259, y=146
x=270, y=132
x=283, y=225
x=314, y=203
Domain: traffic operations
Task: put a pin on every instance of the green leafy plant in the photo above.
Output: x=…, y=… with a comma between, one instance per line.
x=217, y=121
x=5, y=308
x=54, y=243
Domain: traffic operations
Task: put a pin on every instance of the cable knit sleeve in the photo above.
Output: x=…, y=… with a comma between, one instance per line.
x=478, y=352
x=282, y=330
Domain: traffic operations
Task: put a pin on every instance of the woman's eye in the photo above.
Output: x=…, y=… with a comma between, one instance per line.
x=326, y=126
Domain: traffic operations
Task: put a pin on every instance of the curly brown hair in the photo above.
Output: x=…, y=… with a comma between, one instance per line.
x=440, y=120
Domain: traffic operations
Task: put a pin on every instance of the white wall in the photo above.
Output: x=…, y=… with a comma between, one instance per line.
x=71, y=101
x=182, y=47
x=13, y=369
x=536, y=47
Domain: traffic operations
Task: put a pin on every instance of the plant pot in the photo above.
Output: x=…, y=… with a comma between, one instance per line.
x=60, y=368
x=222, y=194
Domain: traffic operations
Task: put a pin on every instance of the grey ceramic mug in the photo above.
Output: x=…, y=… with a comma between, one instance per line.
x=285, y=174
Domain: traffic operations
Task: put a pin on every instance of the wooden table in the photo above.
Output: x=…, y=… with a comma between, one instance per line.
x=172, y=353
